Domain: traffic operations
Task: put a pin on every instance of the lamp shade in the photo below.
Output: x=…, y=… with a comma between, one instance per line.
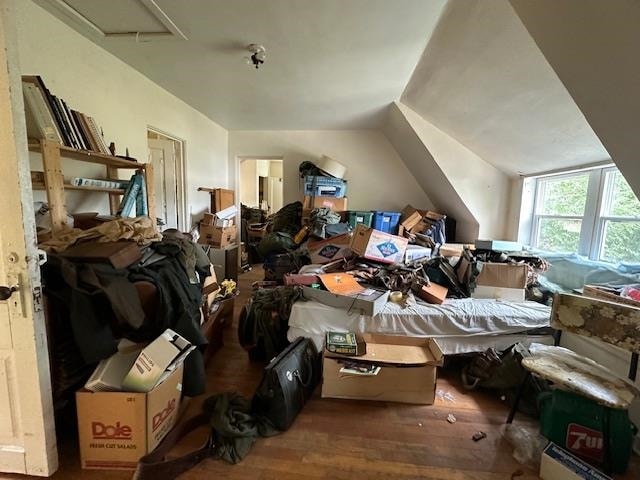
x=331, y=167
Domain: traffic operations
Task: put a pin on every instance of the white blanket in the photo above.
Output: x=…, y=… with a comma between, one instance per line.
x=464, y=325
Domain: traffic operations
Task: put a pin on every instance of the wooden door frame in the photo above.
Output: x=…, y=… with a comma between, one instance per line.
x=32, y=419
x=182, y=194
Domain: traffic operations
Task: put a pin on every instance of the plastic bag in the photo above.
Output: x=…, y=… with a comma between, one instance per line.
x=527, y=444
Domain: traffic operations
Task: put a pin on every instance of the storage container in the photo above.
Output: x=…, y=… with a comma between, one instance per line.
x=319, y=186
x=355, y=217
x=598, y=434
x=386, y=221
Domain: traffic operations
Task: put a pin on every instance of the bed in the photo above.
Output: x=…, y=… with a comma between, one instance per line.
x=460, y=325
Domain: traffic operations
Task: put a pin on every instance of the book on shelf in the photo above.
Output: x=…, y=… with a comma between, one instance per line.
x=40, y=122
x=100, y=183
x=127, y=206
x=142, y=207
x=51, y=118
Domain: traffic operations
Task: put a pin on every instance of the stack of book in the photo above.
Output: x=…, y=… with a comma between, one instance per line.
x=134, y=200
x=50, y=117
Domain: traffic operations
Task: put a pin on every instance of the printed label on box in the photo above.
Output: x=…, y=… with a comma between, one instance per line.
x=329, y=251
x=585, y=441
x=387, y=249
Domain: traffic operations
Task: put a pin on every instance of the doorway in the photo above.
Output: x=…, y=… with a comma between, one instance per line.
x=166, y=153
x=261, y=184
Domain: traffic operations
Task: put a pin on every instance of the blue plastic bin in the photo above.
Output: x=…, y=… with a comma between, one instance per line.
x=325, y=187
x=386, y=222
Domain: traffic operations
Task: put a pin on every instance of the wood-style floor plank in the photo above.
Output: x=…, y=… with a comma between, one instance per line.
x=345, y=439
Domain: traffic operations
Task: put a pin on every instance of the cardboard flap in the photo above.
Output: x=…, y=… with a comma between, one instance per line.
x=398, y=350
x=503, y=275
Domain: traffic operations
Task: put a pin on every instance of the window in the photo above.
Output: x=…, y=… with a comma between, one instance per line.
x=592, y=212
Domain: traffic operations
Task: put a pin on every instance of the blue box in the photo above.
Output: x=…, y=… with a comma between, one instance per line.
x=386, y=222
x=324, y=187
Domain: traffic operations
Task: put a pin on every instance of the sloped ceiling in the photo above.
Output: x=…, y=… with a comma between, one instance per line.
x=483, y=81
x=594, y=47
x=331, y=64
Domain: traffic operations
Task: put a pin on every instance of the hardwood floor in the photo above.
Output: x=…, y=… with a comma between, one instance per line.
x=342, y=439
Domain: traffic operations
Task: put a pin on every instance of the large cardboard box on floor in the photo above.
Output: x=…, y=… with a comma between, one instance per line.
x=558, y=464
x=407, y=371
x=379, y=246
x=117, y=428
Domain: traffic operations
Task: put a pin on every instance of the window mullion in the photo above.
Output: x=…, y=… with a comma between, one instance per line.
x=588, y=233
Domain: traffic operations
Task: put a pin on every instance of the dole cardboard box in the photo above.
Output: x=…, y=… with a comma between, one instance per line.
x=404, y=370
x=379, y=246
x=334, y=248
x=115, y=429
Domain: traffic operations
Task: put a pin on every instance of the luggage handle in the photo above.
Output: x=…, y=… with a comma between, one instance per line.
x=154, y=466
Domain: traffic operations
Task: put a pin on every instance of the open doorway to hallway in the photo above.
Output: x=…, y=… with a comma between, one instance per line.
x=166, y=153
x=261, y=184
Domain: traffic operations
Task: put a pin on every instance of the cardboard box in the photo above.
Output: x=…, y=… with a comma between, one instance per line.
x=365, y=304
x=498, y=245
x=208, y=219
x=335, y=204
x=166, y=351
x=433, y=293
x=503, y=275
x=558, y=464
x=407, y=371
x=334, y=248
x=218, y=237
x=117, y=428
x=410, y=217
x=416, y=252
x=379, y=246
x=499, y=293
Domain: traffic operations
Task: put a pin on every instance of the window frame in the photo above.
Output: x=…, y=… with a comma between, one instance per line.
x=594, y=221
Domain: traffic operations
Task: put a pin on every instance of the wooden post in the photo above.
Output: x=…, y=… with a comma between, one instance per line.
x=151, y=192
x=114, y=198
x=54, y=184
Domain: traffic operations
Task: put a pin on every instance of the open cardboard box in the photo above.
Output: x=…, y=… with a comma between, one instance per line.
x=407, y=371
x=115, y=429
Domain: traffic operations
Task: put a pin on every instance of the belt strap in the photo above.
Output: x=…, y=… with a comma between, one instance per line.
x=154, y=466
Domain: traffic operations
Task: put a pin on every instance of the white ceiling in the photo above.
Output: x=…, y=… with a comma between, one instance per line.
x=331, y=64
x=483, y=80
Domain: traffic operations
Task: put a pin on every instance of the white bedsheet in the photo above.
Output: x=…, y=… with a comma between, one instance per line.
x=462, y=326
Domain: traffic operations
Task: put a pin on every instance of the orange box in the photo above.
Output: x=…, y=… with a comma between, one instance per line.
x=434, y=293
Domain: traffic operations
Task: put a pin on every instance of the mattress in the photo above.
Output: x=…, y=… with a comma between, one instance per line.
x=460, y=325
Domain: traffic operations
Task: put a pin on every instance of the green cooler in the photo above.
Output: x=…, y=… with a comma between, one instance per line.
x=598, y=434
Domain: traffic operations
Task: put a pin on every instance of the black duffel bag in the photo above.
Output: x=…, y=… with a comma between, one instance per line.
x=288, y=382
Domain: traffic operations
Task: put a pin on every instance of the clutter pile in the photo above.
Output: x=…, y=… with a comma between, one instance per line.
x=131, y=316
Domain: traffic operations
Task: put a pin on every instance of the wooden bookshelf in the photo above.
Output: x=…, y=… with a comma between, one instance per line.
x=82, y=188
x=52, y=155
x=91, y=157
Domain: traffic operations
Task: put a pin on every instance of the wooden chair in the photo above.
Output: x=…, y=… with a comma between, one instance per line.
x=609, y=322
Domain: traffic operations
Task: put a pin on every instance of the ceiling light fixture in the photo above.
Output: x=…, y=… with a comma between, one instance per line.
x=258, y=55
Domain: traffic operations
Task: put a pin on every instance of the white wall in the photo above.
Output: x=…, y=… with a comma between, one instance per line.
x=482, y=187
x=378, y=179
x=595, y=55
x=123, y=102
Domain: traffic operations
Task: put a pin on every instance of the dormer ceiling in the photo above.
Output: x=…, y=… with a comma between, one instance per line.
x=483, y=80
x=469, y=67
